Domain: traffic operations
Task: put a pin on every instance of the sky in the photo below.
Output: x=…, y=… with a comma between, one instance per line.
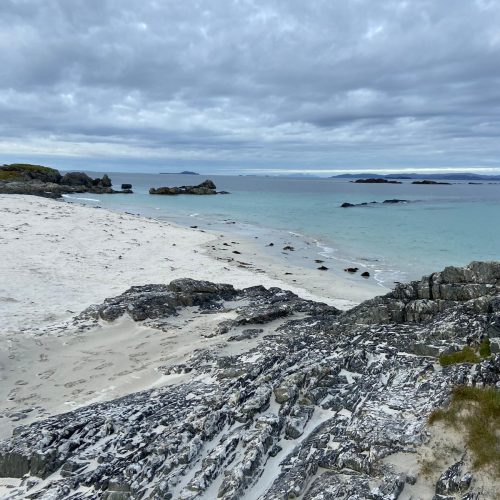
x=256, y=86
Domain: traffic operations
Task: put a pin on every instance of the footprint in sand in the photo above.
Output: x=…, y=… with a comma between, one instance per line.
x=137, y=355
x=103, y=365
x=46, y=374
x=68, y=385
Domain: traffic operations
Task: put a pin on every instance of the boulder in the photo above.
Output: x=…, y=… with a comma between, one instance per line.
x=77, y=179
x=106, y=181
x=453, y=480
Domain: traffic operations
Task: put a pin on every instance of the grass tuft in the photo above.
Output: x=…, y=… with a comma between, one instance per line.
x=485, y=348
x=466, y=355
x=475, y=412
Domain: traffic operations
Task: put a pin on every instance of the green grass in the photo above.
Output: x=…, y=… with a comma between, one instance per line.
x=467, y=354
x=475, y=412
x=27, y=168
x=484, y=348
x=10, y=176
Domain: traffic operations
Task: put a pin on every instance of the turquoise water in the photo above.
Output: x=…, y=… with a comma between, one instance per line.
x=442, y=225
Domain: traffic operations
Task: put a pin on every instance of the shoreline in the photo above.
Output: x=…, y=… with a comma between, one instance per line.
x=157, y=359
x=62, y=257
x=309, y=246
x=109, y=259
x=329, y=286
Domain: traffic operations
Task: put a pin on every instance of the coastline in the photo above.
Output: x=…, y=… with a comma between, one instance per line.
x=184, y=354
x=81, y=255
x=59, y=258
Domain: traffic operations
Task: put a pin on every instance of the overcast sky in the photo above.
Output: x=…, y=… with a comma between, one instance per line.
x=223, y=85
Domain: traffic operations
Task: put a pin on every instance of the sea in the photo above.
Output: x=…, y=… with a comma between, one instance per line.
x=438, y=226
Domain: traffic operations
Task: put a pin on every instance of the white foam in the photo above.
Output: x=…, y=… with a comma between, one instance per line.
x=79, y=198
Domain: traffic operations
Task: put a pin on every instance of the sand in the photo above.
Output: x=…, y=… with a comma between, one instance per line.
x=58, y=258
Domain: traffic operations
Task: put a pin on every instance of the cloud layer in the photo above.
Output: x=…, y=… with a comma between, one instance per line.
x=249, y=84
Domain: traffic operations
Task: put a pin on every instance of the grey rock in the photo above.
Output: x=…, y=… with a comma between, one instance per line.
x=206, y=187
x=318, y=401
x=453, y=480
x=49, y=183
x=77, y=179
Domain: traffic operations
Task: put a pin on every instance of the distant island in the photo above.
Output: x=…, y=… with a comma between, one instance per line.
x=375, y=180
x=457, y=176
x=184, y=172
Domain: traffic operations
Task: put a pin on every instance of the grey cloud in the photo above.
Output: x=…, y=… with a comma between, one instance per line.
x=273, y=83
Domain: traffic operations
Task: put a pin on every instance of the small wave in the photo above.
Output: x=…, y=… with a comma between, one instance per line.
x=387, y=277
x=78, y=198
x=324, y=250
x=193, y=215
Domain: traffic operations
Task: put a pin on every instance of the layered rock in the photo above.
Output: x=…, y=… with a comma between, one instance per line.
x=313, y=409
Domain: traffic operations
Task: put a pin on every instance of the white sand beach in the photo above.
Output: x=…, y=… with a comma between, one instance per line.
x=58, y=258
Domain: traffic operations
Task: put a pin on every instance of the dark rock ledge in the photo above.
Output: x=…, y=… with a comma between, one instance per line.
x=20, y=178
x=206, y=187
x=317, y=404
x=367, y=203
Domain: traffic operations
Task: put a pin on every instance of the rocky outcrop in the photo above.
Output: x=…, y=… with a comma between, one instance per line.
x=315, y=408
x=48, y=182
x=366, y=203
x=77, y=179
x=206, y=187
x=25, y=172
x=475, y=288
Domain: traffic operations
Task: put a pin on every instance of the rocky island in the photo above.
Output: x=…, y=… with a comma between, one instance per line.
x=288, y=398
x=206, y=187
x=426, y=182
x=21, y=178
x=376, y=180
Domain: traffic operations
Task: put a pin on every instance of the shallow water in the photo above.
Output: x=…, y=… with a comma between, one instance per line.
x=441, y=225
